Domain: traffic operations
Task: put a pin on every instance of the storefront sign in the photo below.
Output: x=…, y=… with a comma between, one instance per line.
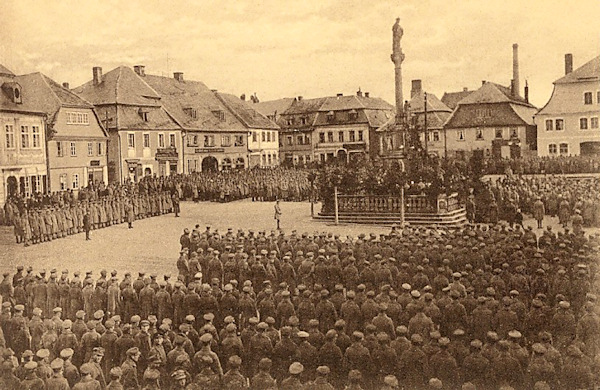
x=209, y=150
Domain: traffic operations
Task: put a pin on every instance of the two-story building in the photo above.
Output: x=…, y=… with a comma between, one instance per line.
x=568, y=123
x=76, y=140
x=23, y=141
x=143, y=138
x=338, y=127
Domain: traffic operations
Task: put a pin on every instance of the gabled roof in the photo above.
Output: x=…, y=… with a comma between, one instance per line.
x=589, y=71
x=273, y=107
x=451, y=99
x=417, y=103
x=4, y=71
x=28, y=97
x=119, y=86
x=305, y=106
x=245, y=112
x=180, y=98
x=493, y=93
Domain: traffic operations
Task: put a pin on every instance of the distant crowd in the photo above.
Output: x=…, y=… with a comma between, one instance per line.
x=543, y=165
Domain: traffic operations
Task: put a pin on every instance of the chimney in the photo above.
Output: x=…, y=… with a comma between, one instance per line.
x=359, y=92
x=140, y=70
x=465, y=89
x=366, y=94
x=243, y=97
x=178, y=76
x=300, y=98
x=568, y=63
x=482, y=82
x=517, y=84
x=417, y=87
x=97, y=75
x=65, y=85
x=526, y=91
x=340, y=94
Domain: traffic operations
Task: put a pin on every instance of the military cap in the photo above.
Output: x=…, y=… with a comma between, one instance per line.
x=476, y=344
x=416, y=338
x=27, y=353
x=564, y=304
x=323, y=370
x=402, y=329
x=370, y=293
x=390, y=380
x=458, y=332
x=406, y=286
x=42, y=353
x=57, y=364
x=303, y=335
x=7, y=304
x=253, y=320
x=98, y=351
x=331, y=334
x=66, y=353
x=539, y=348
x=504, y=345
x=354, y=376
x=116, y=372
x=208, y=317
x=415, y=294
x=493, y=336
x=435, y=334
x=270, y=320
x=263, y=326
x=67, y=324
x=358, y=335
x=133, y=351
x=7, y=365
x=36, y=312
x=264, y=364
x=30, y=365
x=435, y=383
x=19, y=308
x=206, y=338
x=296, y=368
x=151, y=374
x=443, y=341
x=144, y=323
x=361, y=287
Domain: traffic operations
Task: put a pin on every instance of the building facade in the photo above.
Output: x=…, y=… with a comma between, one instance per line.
x=144, y=140
x=23, y=143
x=568, y=123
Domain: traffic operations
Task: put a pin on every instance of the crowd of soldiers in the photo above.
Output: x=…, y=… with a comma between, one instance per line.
x=576, y=201
x=264, y=184
x=543, y=165
x=36, y=219
x=470, y=308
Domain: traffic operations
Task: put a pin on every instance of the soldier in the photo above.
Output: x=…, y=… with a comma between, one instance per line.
x=31, y=380
x=233, y=378
x=130, y=370
x=263, y=379
x=57, y=381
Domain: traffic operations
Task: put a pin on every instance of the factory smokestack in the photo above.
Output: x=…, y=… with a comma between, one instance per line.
x=516, y=84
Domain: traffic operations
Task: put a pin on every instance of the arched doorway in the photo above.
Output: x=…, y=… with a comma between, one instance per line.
x=209, y=164
x=12, y=186
x=148, y=172
x=226, y=164
x=240, y=163
x=590, y=148
x=342, y=155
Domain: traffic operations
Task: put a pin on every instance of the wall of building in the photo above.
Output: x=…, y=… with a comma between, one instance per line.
x=223, y=148
x=26, y=164
x=355, y=139
x=480, y=138
x=263, y=147
x=567, y=105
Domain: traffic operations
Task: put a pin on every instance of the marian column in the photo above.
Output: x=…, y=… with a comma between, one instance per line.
x=397, y=59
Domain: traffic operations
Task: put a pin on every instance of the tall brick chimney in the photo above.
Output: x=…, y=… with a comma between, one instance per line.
x=97, y=75
x=568, y=63
x=516, y=84
x=417, y=87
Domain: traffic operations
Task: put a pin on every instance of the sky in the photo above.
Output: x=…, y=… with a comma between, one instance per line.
x=310, y=48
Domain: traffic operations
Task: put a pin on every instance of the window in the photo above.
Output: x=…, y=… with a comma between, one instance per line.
x=341, y=136
x=330, y=116
x=146, y=140
x=63, y=181
x=225, y=140
x=35, y=132
x=254, y=137
x=219, y=114
x=209, y=140
x=73, y=149
x=559, y=125
x=552, y=149
x=594, y=122
x=263, y=136
x=330, y=136
x=436, y=136
x=268, y=137
x=24, y=137
x=100, y=149
x=10, y=136
x=321, y=138
x=360, y=135
x=460, y=135
x=290, y=121
x=352, y=136
x=564, y=149
x=587, y=98
x=499, y=133
x=75, y=181
x=303, y=120
x=353, y=115
x=172, y=140
x=549, y=125
x=514, y=132
x=143, y=114
x=90, y=149
x=300, y=140
x=290, y=140
x=77, y=118
x=131, y=140
x=161, y=140
x=598, y=97
x=59, y=149
x=479, y=134
x=274, y=136
x=239, y=140
x=192, y=112
x=583, y=123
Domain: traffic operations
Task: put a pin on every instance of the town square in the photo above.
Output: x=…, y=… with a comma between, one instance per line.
x=320, y=195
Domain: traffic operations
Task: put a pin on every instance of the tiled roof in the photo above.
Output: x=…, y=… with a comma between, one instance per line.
x=417, y=103
x=377, y=118
x=305, y=106
x=435, y=119
x=451, y=99
x=273, y=107
x=193, y=105
x=119, y=86
x=492, y=93
x=245, y=112
x=158, y=119
x=4, y=71
x=491, y=115
x=29, y=101
x=586, y=72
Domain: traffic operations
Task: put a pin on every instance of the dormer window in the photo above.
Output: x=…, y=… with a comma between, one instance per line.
x=330, y=116
x=13, y=90
x=219, y=114
x=352, y=115
x=303, y=120
x=192, y=112
x=143, y=114
x=290, y=121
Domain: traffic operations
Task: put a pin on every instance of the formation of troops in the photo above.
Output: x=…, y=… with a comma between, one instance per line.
x=543, y=165
x=473, y=308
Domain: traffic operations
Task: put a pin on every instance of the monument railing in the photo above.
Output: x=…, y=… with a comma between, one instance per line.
x=384, y=204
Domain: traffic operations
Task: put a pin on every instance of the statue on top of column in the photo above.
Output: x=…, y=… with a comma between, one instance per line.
x=397, y=55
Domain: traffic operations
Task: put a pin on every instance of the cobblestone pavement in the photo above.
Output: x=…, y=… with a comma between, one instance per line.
x=153, y=244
